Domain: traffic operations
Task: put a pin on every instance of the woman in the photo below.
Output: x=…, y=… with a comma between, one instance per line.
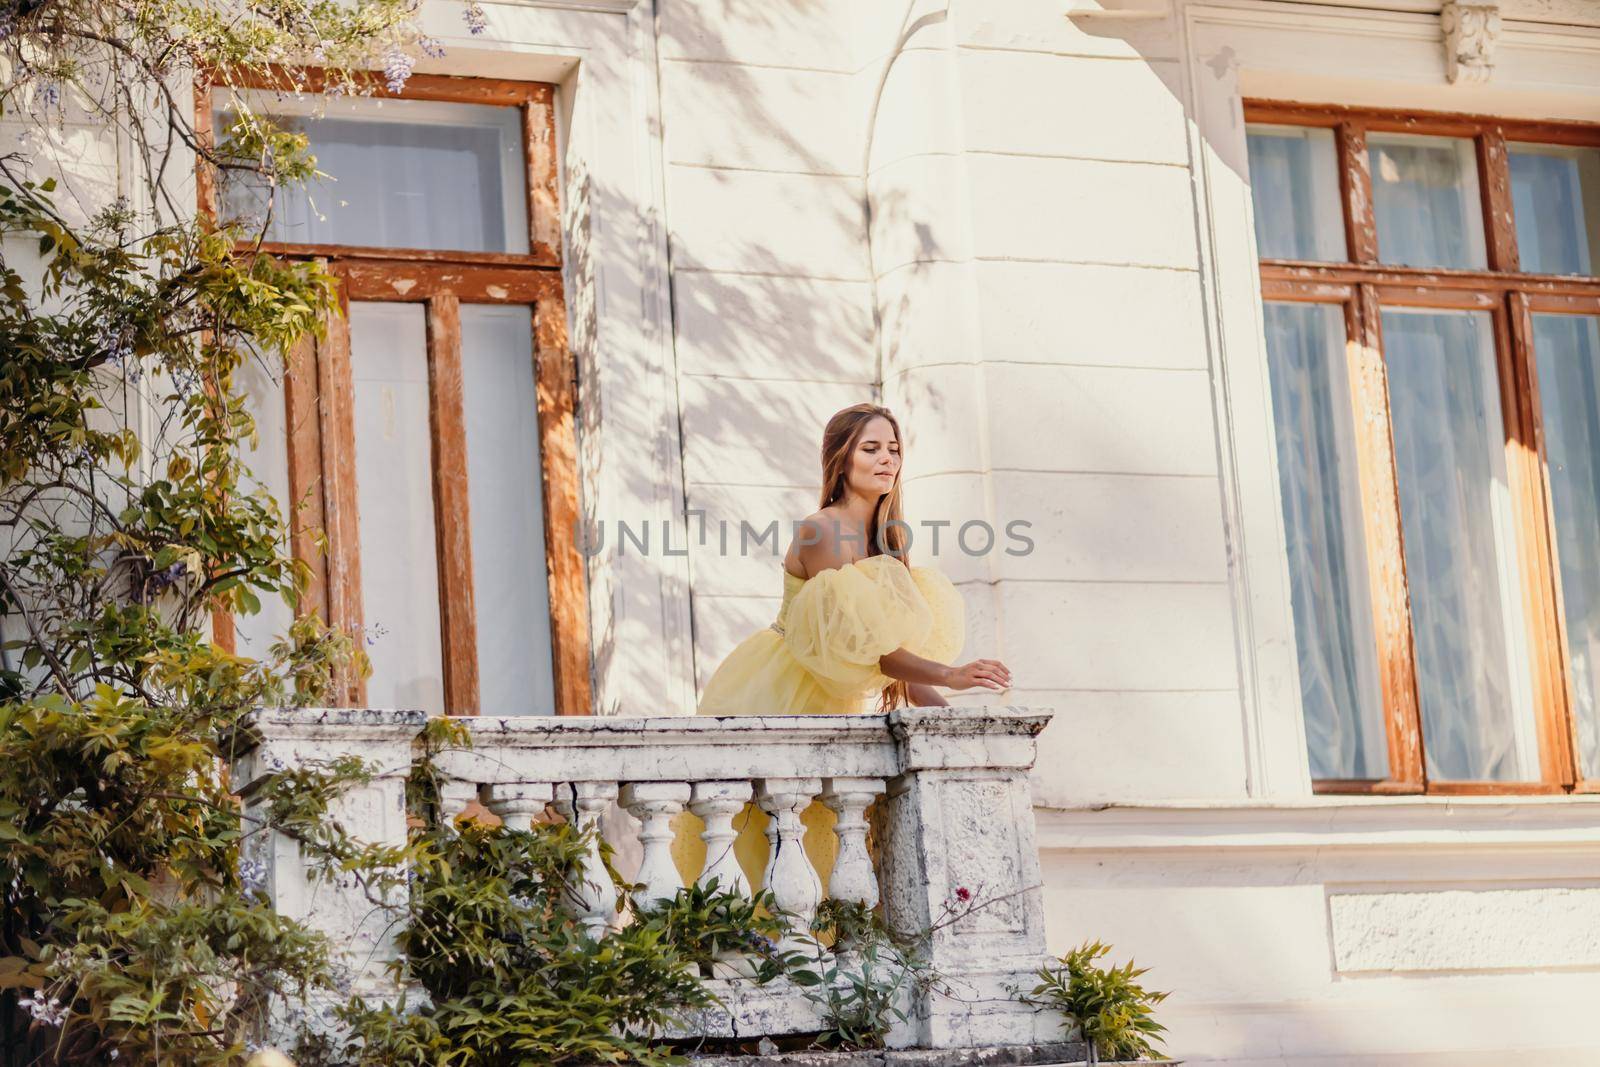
x=857, y=622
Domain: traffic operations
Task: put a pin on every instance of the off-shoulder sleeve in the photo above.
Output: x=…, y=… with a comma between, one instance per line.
x=842, y=620
x=948, y=633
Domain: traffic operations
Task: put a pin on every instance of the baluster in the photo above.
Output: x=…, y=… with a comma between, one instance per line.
x=717, y=803
x=792, y=880
x=655, y=804
x=519, y=803
x=455, y=796
x=853, y=878
x=593, y=897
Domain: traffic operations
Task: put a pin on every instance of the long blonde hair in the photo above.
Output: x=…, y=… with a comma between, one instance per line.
x=839, y=439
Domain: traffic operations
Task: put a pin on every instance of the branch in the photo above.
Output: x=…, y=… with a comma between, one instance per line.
x=57, y=669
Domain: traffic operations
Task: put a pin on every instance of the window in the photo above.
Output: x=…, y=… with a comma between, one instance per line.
x=428, y=441
x=1433, y=340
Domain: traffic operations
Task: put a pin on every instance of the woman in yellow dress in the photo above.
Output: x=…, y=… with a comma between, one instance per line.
x=859, y=628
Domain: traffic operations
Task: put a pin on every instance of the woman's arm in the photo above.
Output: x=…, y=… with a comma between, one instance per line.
x=905, y=666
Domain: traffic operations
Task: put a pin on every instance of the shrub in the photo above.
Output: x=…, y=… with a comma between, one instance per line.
x=126, y=931
x=1113, y=1009
x=510, y=977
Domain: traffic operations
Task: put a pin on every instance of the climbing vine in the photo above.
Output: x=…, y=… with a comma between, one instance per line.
x=128, y=932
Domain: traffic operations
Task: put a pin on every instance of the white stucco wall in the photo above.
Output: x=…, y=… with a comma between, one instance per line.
x=1030, y=235
x=1048, y=220
x=772, y=310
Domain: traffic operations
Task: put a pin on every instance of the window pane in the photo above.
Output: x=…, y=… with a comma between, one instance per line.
x=400, y=174
x=1460, y=555
x=1567, y=349
x=1294, y=183
x=510, y=585
x=1311, y=414
x=1555, y=193
x=1425, y=196
x=394, y=496
x=260, y=378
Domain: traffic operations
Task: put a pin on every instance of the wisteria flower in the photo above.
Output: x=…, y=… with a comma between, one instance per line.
x=253, y=875
x=168, y=576
x=477, y=20
x=46, y=1012
x=762, y=944
x=431, y=47
x=397, y=66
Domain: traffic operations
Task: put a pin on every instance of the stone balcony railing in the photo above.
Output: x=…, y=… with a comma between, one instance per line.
x=955, y=814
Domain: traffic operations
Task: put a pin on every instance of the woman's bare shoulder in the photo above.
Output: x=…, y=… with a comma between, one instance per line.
x=815, y=547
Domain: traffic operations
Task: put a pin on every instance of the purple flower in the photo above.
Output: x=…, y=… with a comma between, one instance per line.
x=118, y=351
x=397, y=69
x=476, y=20
x=431, y=47
x=168, y=576
x=49, y=96
x=48, y=1012
x=253, y=875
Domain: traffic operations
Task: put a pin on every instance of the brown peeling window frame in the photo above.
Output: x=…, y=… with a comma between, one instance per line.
x=319, y=397
x=1361, y=286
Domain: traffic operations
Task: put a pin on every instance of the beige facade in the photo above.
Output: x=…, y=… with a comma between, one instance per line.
x=1026, y=226
x=1029, y=223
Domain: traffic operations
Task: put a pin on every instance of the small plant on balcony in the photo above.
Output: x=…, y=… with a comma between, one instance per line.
x=509, y=976
x=864, y=979
x=1109, y=1004
x=706, y=924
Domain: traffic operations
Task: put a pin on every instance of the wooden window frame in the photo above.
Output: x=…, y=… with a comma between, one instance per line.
x=319, y=399
x=1361, y=286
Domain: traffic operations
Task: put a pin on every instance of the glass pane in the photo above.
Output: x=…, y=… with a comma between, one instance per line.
x=1460, y=552
x=400, y=174
x=260, y=378
x=394, y=497
x=1567, y=349
x=1555, y=194
x=1294, y=183
x=1311, y=415
x=1425, y=197
x=510, y=585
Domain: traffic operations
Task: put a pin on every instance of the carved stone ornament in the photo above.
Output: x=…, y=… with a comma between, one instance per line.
x=1470, y=33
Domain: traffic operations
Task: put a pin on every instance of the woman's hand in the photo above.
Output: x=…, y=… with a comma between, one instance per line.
x=985, y=673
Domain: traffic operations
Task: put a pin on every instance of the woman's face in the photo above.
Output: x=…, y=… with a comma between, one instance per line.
x=876, y=459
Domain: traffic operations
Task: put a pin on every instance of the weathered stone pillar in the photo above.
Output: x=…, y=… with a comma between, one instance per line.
x=360, y=928
x=960, y=854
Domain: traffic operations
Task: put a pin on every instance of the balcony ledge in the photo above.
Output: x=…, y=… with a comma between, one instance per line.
x=1542, y=823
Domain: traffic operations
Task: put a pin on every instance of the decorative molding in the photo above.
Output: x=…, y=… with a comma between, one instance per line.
x=596, y=7
x=1124, y=14
x=1368, y=824
x=1462, y=928
x=1471, y=32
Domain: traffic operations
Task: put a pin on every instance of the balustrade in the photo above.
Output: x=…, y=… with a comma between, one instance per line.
x=956, y=814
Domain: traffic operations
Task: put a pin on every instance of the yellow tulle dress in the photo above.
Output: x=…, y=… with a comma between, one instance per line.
x=820, y=657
